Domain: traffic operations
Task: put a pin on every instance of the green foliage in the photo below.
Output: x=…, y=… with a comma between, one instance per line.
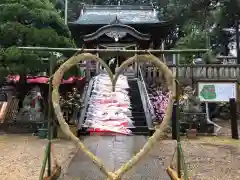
x=201, y=24
x=15, y=33
x=38, y=18
x=29, y=23
x=31, y=4
x=193, y=40
x=190, y=18
x=198, y=24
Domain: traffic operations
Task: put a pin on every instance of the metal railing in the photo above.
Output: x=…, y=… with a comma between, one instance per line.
x=149, y=103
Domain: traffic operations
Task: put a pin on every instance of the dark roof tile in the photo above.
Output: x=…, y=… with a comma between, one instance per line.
x=126, y=14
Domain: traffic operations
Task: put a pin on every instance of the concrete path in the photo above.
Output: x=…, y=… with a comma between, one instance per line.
x=115, y=151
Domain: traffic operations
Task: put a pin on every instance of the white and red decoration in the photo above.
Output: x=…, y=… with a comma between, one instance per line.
x=109, y=111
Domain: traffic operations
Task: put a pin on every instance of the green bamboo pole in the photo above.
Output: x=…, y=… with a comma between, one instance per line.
x=50, y=114
x=177, y=122
x=44, y=162
x=184, y=165
x=171, y=51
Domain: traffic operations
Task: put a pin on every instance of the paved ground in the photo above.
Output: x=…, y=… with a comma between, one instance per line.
x=207, y=159
x=115, y=151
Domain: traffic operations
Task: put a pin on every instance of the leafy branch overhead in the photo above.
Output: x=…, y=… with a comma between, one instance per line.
x=29, y=23
x=201, y=24
x=197, y=24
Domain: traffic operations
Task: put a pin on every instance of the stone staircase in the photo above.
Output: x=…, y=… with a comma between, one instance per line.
x=138, y=114
x=139, y=118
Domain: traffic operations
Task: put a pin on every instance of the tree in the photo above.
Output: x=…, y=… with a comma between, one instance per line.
x=197, y=24
x=29, y=23
x=200, y=24
x=226, y=13
x=207, y=25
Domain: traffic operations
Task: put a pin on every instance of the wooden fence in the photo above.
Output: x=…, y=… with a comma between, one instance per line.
x=194, y=72
x=227, y=69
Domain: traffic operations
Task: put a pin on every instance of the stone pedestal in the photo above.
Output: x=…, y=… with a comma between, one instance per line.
x=191, y=133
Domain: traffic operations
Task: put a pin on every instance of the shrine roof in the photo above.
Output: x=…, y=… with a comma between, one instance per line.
x=92, y=14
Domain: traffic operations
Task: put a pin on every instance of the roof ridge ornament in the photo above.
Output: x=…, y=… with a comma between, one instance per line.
x=116, y=21
x=154, y=12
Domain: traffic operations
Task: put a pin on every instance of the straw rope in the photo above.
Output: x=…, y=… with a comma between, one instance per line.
x=159, y=133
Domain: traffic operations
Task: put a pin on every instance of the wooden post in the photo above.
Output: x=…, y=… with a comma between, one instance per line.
x=88, y=69
x=177, y=121
x=233, y=114
x=237, y=41
x=50, y=114
x=97, y=63
x=174, y=61
x=66, y=12
x=136, y=64
x=174, y=121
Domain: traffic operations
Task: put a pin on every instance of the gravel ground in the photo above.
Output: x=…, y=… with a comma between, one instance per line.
x=226, y=128
x=208, y=158
x=21, y=156
x=213, y=158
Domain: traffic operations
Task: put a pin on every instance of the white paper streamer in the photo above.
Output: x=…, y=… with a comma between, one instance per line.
x=109, y=111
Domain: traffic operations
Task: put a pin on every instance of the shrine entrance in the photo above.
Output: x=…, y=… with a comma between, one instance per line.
x=119, y=37
x=115, y=60
x=118, y=27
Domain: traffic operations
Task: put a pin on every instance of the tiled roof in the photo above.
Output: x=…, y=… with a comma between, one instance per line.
x=126, y=14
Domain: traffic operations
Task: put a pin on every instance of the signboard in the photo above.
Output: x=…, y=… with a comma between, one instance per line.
x=217, y=91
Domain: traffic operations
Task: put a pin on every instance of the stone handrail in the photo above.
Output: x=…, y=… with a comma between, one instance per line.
x=149, y=103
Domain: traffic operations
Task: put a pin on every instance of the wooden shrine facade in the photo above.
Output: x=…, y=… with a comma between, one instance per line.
x=122, y=26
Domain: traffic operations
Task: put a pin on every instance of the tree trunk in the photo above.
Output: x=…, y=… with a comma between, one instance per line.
x=22, y=88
